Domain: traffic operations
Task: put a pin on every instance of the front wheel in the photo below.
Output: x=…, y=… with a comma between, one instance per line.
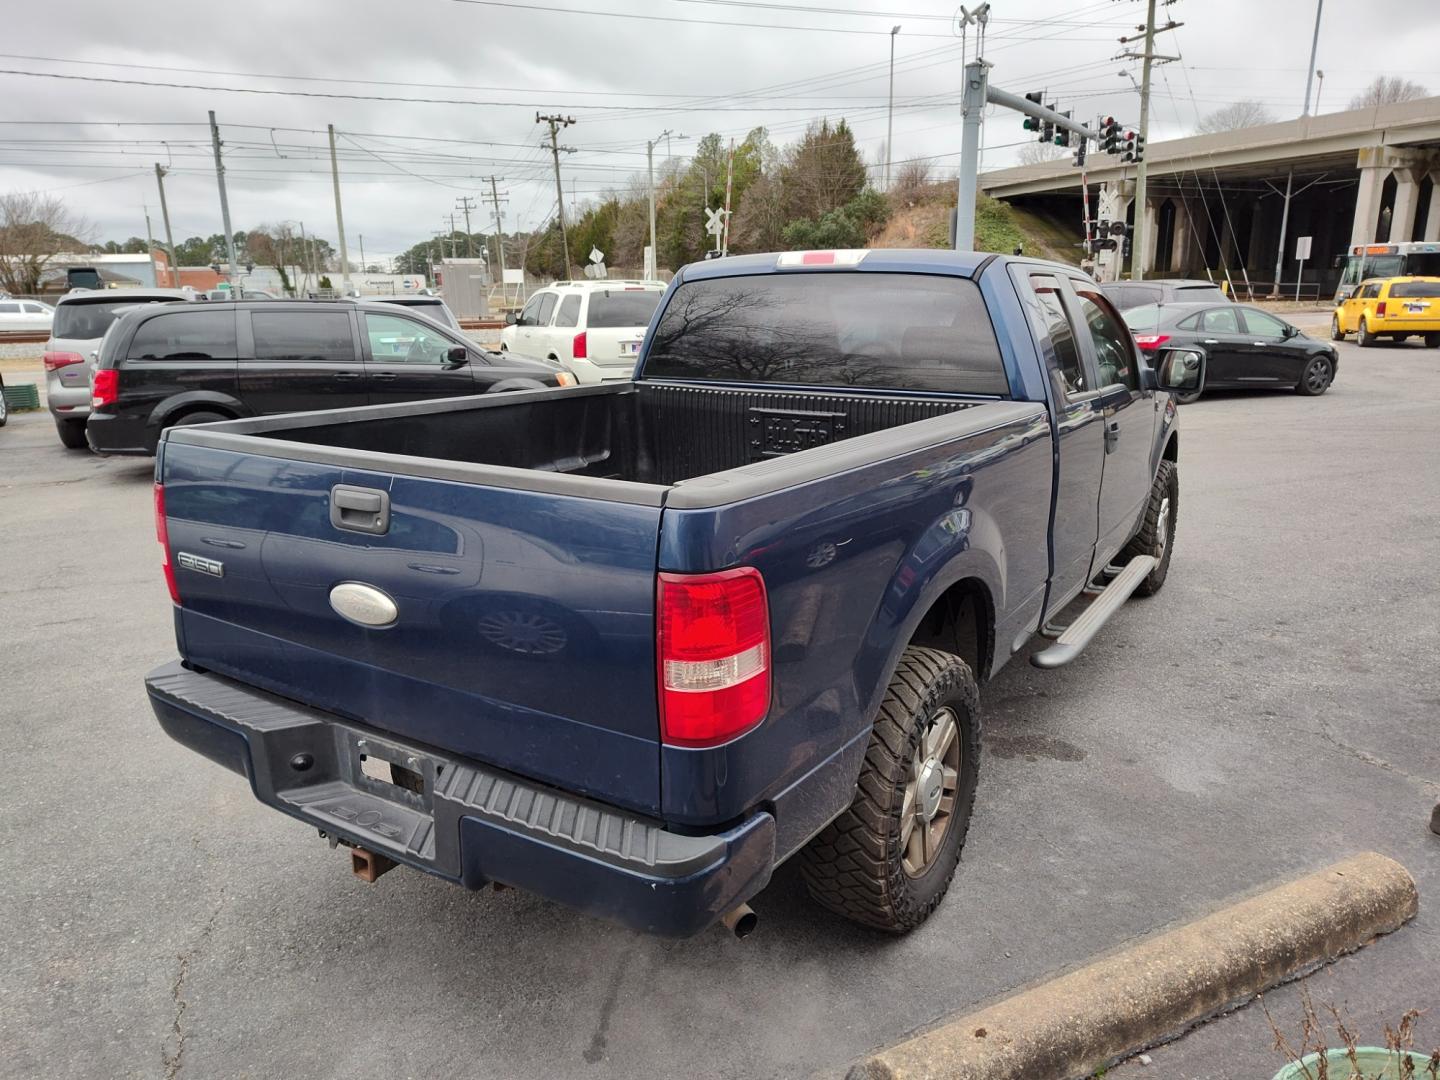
x=1157, y=532
x=1336, y=334
x=1316, y=378
x=887, y=861
x=1363, y=335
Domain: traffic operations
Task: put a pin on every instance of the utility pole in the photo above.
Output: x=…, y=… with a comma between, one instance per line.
x=557, y=122
x=454, y=243
x=165, y=213
x=304, y=264
x=224, y=202
x=362, y=253
x=1148, y=58
x=150, y=247
x=466, y=203
x=339, y=217
x=1310, y=71
x=499, y=229
x=650, y=270
x=729, y=179
x=890, y=121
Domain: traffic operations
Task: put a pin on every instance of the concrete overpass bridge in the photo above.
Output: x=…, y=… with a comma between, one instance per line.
x=1216, y=202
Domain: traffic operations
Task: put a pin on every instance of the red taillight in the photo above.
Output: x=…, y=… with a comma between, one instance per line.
x=162, y=533
x=1150, y=342
x=714, y=650
x=104, y=387
x=1380, y=308
x=54, y=361
x=577, y=347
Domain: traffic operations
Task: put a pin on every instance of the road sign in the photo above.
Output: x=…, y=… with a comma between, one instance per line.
x=1302, y=248
x=596, y=255
x=714, y=221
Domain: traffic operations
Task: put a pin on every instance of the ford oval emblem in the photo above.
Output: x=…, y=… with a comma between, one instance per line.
x=363, y=604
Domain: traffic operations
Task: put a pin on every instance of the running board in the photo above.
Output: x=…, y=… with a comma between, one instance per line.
x=1078, y=634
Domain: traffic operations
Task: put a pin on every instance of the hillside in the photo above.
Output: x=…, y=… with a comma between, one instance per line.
x=920, y=217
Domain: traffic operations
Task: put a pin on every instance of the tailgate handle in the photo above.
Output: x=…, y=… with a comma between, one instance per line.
x=358, y=509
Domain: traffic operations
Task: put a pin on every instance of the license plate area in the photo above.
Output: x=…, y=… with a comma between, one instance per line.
x=390, y=771
x=775, y=432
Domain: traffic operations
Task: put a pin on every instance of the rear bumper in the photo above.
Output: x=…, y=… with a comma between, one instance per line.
x=471, y=824
x=108, y=433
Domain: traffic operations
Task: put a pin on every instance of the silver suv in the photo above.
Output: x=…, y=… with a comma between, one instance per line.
x=81, y=318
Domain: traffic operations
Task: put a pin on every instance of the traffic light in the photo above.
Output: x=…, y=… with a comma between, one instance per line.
x=1080, y=153
x=1032, y=123
x=1109, y=135
x=1137, y=150
x=1047, y=127
x=1062, y=135
x=1127, y=147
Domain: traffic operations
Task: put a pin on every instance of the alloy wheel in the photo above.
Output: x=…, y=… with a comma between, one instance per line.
x=929, y=801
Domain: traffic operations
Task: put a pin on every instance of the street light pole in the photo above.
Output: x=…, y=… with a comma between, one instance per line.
x=890, y=122
x=1314, y=44
x=650, y=171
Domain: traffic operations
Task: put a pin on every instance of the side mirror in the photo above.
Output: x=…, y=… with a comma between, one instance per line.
x=511, y=319
x=1291, y=331
x=457, y=355
x=1337, y=263
x=1181, y=371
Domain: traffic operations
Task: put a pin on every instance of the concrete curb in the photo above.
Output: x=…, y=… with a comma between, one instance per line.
x=1161, y=986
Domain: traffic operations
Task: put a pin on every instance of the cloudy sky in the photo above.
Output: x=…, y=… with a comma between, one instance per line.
x=432, y=96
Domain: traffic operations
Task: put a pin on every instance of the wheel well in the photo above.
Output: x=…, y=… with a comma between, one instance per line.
x=961, y=621
x=1172, y=449
x=200, y=406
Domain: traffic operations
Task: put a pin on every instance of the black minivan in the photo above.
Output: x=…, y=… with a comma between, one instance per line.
x=195, y=364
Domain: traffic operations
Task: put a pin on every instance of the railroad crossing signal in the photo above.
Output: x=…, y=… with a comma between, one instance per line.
x=714, y=222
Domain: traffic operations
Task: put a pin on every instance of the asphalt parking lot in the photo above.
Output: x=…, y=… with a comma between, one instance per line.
x=1273, y=709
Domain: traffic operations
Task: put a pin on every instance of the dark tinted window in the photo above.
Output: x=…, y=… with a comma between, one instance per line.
x=612, y=309
x=898, y=331
x=1199, y=294
x=1114, y=348
x=185, y=335
x=90, y=318
x=569, y=313
x=302, y=336
x=1403, y=289
x=547, y=305
x=1047, y=317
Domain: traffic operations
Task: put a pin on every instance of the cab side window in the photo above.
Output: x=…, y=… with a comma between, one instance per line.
x=528, y=317
x=1049, y=321
x=547, y=306
x=1114, y=345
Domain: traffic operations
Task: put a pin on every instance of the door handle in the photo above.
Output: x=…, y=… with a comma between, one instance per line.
x=347, y=375
x=358, y=509
x=1262, y=344
x=1112, y=434
x=1210, y=341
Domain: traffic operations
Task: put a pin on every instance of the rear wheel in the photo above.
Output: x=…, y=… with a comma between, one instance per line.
x=1363, y=335
x=1316, y=378
x=72, y=434
x=200, y=418
x=887, y=861
x=1432, y=341
x=1157, y=533
x=1336, y=334
x=4, y=407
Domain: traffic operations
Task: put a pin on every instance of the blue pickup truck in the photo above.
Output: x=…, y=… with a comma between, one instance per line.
x=631, y=646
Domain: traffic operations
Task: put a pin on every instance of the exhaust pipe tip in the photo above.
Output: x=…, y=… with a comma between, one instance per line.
x=741, y=921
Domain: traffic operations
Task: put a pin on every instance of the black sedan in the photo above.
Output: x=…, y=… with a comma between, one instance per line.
x=1245, y=348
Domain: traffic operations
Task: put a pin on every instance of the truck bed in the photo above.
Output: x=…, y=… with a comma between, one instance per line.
x=657, y=434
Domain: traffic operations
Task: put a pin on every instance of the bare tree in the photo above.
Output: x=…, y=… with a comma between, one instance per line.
x=34, y=228
x=1041, y=153
x=276, y=246
x=912, y=181
x=1388, y=90
x=1242, y=114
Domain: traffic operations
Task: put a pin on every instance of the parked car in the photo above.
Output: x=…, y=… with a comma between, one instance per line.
x=23, y=315
x=433, y=306
x=1245, y=348
x=81, y=319
x=594, y=326
x=1132, y=294
x=223, y=360
x=4, y=405
x=631, y=646
x=1394, y=308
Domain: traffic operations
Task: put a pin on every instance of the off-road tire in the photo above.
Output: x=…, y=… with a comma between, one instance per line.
x=1335, y=334
x=1363, y=337
x=855, y=866
x=1147, y=540
x=72, y=434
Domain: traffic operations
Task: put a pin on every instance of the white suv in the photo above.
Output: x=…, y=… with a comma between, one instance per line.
x=594, y=327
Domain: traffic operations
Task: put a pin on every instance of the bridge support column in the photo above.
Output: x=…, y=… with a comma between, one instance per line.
x=1180, y=250
x=1407, y=202
x=1374, y=168
x=1432, y=218
x=1152, y=233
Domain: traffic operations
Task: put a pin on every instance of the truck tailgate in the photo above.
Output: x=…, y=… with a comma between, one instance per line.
x=523, y=633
